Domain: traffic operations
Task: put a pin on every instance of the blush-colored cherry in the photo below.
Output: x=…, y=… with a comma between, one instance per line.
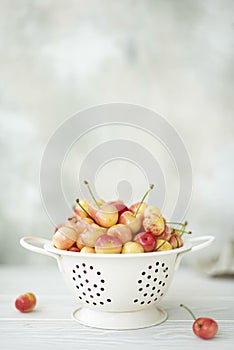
x=203, y=327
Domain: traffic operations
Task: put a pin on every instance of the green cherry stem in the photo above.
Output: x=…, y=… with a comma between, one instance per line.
x=166, y=240
x=91, y=193
x=177, y=223
x=81, y=206
x=145, y=195
x=191, y=313
x=161, y=245
x=182, y=231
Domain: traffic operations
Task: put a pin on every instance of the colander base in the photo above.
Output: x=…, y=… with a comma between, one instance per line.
x=120, y=320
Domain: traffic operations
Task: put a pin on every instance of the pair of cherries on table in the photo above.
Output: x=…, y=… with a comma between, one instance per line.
x=203, y=327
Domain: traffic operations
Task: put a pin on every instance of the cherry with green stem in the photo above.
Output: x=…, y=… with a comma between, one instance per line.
x=169, y=237
x=166, y=240
x=203, y=327
x=91, y=193
x=145, y=195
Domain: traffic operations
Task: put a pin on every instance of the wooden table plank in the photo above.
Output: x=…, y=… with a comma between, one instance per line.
x=49, y=334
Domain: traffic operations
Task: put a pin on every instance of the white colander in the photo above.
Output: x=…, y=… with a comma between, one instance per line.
x=117, y=291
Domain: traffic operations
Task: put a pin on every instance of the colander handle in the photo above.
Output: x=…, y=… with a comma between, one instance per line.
x=197, y=244
x=201, y=242
x=36, y=245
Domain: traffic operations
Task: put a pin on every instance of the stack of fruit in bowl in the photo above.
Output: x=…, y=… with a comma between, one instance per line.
x=111, y=227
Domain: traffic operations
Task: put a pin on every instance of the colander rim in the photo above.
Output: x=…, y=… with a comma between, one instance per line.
x=50, y=248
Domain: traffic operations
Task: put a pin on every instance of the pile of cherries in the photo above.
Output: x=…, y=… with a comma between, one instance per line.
x=103, y=227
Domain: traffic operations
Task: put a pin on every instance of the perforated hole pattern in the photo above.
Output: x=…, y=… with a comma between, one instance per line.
x=150, y=284
x=87, y=291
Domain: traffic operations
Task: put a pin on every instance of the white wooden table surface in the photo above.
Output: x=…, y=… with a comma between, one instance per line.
x=50, y=325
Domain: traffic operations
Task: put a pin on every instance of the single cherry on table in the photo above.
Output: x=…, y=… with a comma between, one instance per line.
x=25, y=302
x=203, y=327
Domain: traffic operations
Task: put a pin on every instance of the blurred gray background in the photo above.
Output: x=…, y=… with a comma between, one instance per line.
x=58, y=57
